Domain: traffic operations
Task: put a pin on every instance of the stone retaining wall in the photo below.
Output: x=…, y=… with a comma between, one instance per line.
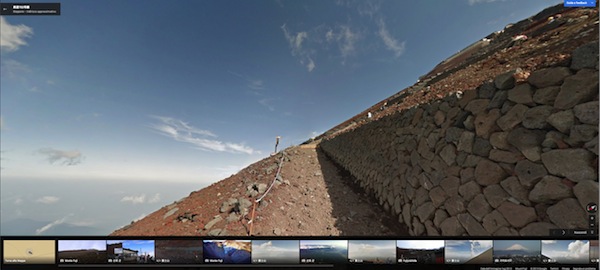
x=502, y=159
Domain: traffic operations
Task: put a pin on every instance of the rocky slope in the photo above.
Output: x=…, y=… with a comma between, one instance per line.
x=313, y=196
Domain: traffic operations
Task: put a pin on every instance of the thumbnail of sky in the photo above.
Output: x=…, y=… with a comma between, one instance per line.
x=275, y=249
x=464, y=250
x=64, y=245
x=368, y=249
x=567, y=251
x=420, y=244
x=173, y=97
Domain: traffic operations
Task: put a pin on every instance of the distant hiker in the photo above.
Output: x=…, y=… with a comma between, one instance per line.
x=369, y=115
x=383, y=106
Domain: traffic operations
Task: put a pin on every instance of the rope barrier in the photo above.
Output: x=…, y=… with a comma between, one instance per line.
x=266, y=192
x=274, y=180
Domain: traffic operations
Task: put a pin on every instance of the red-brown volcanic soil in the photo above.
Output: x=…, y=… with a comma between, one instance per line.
x=316, y=198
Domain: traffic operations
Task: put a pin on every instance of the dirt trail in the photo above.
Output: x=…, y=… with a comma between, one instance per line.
x=313, y=197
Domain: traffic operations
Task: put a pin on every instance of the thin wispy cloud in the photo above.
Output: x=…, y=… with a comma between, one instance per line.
x=139, y=199
x=174, y=126
x=296, y=44
x=345, y=38
x=310, y=65
x=52, y=224
x=48, y=199
x=155, y=198
x=390, y=42
x=12, y=37
x=252, y=83
x=267, y=102
x=199, y=138
x=369, y=8
x=13, y=69
x=256, y=85
x=60, y=157
x=134, y=199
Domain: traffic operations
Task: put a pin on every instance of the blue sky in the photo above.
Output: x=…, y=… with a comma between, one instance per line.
x=193, y=91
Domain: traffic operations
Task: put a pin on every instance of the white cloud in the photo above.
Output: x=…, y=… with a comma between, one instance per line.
x=296, y=41
x=239, y=148
x=329, y=35
x=267, y=103
x=52, y=224
x=13, y=36
x=578, y=249
x=177, y=126
x=62, y=157
x=252, y=83
x=369, y=8
x=256, y=84
x=48, y=199
x=155, y=198
x=345, y=39
x=135, y=199
x=139, y=199
x=390, y=42
x=13, y=69
x=300, y=36
x=348, y=39
x=311, y=65
x=183, y=132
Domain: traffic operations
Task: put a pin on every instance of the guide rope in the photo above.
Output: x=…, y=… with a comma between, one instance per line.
x=277, y=176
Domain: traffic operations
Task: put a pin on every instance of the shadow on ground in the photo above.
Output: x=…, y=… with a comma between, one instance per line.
x=356, y=206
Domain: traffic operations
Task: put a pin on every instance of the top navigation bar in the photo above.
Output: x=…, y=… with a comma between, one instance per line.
x=29, y=9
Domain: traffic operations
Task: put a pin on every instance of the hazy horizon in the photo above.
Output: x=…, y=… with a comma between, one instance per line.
x=98, y=208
